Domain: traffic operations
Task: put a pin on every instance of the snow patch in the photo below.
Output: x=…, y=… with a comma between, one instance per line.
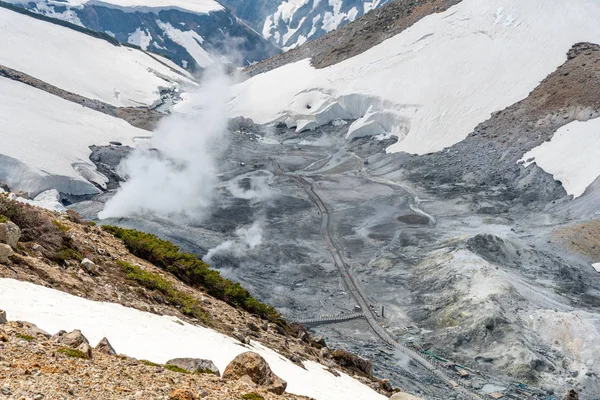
x=196, y=6
x=82, y=64
x=140, y=38
x=571, y=156
x=58, y=134
x=440, y=85
x=161, y=338
x=596, y=266
x=190, y=40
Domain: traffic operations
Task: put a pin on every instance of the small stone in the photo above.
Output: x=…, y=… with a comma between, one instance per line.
x=72, y=339
x=5, y=252
x=5, y=390
x=89, y=266
x=182, y=394
x=38, y=396
x=241, y=337
x=105, y=347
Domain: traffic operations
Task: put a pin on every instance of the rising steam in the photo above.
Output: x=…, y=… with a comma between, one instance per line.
x=176, y=175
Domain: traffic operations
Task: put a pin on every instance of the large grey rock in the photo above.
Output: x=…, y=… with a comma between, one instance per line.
x=73, y=339
x=5, y=252
x=89, y=266
x=251, y=368
x=9, y=233
x=86, y=349
x=3, y=319
x=105, y=347
x=195, y=365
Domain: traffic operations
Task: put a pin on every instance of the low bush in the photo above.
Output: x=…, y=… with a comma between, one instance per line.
x=186, y=303
x=175, y=368
x=28, y=338
x=149, y=363
x=191, y=270
x=252, y=396
x=72, y=352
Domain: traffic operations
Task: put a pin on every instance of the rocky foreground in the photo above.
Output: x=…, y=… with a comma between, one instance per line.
x=35, y=366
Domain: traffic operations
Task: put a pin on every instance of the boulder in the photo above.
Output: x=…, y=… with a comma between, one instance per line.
x=9, y=233
x=89, y=266
x=105, y=347
x=351, y=361
x=34, y=331
x=404, y=396
x=252, y=368
x=73, y=339
x=195, y=365
x=5, y=252
x=3, y=319
x=86, y=349
x=571, y=395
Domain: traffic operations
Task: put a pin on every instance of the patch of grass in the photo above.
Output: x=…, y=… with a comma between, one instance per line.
x=91, y=223
x=65, y=254
x=252, y=396
x=61, y=227
x=186, y=303
x=175, y=368
x=3, y=219
x=149, y=363
x=72, y=352
x=204, y=371
x=193, y=271
x=28, y=338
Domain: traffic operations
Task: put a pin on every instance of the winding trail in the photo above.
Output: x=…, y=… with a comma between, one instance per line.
x=357, y=293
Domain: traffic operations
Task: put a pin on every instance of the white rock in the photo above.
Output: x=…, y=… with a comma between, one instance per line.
x=9, y=233
x=89, y=266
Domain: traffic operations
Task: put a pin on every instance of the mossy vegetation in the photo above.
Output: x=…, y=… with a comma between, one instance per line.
x=149, y=363
x=61, y=227
x=188, y=304
x=28, y=338
x=252, y=396
x=193, y=271
x=74, y=353
x=3, y=219
x=175, y=368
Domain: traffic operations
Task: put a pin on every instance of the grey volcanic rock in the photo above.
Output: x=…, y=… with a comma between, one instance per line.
x=5, y=252
x=195, y=365
x=105, y=347
x=252, y=368
x=72, y=339
x=9, y=233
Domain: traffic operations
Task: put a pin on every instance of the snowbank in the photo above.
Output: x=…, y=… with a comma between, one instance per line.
x=195, y=6
x=81, y=64
x=572, y=155
x=160, y=338
x=436, y=80
x=45, y=141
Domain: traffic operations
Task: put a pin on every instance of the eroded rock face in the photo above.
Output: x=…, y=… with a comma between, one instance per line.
x=10, y=234
x=195, y=365
x=5, y=252
x=73, y=339
x=105, y=347
x=252, y=368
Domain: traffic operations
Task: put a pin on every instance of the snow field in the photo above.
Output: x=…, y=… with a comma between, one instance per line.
x=81, y=64
x=160, y=338
x=572, y=156
x=45, y=141
x=438, y=78
x=196, y=6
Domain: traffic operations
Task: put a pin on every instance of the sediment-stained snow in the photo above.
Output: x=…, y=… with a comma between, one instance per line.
x=572, y=156
x=443, y=75
x=45, y=140
x=160, y=338
x=195, y=6
x=82, y=64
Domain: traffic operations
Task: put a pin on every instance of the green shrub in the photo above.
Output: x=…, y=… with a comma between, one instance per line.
x=252, y=396
x=175, y=368
x=191, y=270
x=186, y=303
x=61, y=227
x=3, y=219
x=65, y=254
x=28, y=338
x=71, y=352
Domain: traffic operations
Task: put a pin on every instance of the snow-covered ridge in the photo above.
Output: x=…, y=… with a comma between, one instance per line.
x=435, y=81
x=45, y=141
x=81, y=64
x=572, y=156
x=160, y=338
x=196, y=6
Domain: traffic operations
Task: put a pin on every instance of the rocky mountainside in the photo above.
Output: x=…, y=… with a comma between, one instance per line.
x=191, y=35
x=290, y=23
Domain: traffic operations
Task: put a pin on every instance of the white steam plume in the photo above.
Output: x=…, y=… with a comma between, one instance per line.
x=247, y=238
x=177, y=175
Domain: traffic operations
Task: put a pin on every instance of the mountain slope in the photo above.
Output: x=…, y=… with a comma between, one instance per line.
x=193, y=34
x=290, y=23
